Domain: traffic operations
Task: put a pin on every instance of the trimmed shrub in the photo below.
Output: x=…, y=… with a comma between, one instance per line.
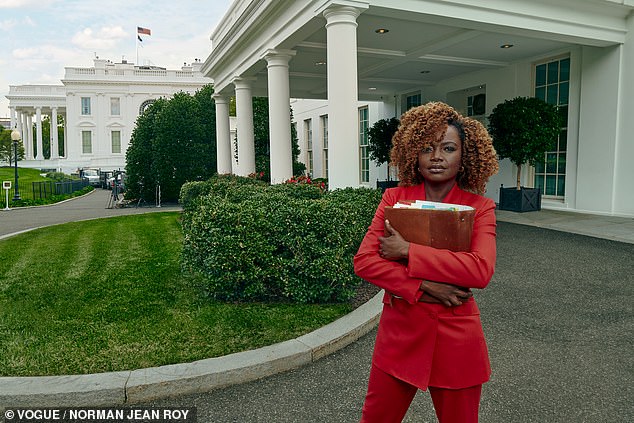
x=275, y=243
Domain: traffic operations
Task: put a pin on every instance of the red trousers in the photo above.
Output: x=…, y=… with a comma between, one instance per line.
x=388, y=399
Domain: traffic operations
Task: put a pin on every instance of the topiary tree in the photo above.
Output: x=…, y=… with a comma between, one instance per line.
x=523, y=129
x=380, y=140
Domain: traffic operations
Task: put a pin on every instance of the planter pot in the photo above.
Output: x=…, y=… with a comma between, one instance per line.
x=522, y=200
x=383, y=185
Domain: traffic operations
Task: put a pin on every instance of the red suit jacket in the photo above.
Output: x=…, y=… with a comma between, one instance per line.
x=428, y=344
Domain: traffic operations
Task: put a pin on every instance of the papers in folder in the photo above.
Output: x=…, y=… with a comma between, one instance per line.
x=438, y=225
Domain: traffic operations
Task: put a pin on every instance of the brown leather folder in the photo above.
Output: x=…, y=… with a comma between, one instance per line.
x=445, y=229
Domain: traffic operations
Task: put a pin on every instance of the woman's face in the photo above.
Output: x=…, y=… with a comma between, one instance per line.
x=441, y=161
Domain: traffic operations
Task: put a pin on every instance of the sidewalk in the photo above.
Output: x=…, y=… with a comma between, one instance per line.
x=555, y=315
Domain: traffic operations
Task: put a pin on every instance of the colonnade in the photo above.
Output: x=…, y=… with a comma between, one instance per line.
x=341, y=29
x=22, y=120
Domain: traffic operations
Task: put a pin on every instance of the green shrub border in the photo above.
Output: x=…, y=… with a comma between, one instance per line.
x=249, y=241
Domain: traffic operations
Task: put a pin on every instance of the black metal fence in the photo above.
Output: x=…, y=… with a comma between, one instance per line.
x=46, y=189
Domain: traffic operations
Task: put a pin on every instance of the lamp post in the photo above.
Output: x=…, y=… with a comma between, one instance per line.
x=15, y=137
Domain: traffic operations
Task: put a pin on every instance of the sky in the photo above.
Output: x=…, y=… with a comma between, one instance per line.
x=41, y=37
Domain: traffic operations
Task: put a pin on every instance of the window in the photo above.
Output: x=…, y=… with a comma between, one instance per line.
x=115, y=138
x=85, y=105
x=86, y=142
x=324, y=137
x=552, y=81
x=308, y=137
x=364, y=166
x=414, y=100
x=115, y=106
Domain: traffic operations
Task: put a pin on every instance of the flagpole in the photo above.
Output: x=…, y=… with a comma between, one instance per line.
x=136, y=39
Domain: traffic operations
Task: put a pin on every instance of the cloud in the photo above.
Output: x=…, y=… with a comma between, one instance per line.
x=10, y=24
x=106, y=38
x=16, y=4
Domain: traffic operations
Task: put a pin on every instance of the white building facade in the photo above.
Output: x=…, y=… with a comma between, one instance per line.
x=362, y=61
x=100, y=106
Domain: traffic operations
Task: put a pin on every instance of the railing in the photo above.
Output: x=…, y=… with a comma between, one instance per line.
x=46, y=189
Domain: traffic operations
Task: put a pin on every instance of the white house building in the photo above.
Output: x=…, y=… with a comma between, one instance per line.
x=100, y=106
x=371, y=59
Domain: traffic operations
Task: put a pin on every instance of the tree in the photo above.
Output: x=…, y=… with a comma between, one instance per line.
x=263, y=142
x=173, y=142
x=523, y=129
x=380, y=140
x=6, y=147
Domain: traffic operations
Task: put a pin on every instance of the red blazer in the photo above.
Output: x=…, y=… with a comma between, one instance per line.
x=429, y=344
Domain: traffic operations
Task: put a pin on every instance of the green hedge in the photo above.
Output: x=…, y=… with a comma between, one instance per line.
x=254, y=242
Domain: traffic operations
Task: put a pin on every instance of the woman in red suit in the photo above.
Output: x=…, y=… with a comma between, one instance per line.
x=430, y=335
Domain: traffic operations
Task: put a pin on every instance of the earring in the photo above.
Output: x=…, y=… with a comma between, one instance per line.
x=461, y=169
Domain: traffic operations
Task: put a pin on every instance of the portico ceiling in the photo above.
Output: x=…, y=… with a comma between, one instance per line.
x=423, y=47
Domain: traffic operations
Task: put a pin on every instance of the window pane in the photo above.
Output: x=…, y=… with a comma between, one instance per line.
x=85, y=105
x=564, y=70
x=550, y=185
x=553, y=72
x=115, y=106
x=561, y=185
x=551, y=94
x=540, y=75
x=563, y=140
x=86, y=142
x=540, y=93
x=563, y=93
x=116, y=141
x=551, y=162
x=539, y=182
x=561, y=164
x=539, y=167
x=563, y=111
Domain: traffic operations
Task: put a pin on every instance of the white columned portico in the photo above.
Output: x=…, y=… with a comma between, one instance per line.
x=38, y=133
x=54, y=136
x=341, y=34
x=223, y=134
x=244, y=123
x=279, y=115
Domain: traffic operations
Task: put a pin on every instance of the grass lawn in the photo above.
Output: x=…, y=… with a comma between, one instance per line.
x=25, y=175
x=107, y=295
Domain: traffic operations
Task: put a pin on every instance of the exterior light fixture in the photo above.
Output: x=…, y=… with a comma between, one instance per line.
x=382, y=30
x=506, y=46
x=16, y=137
x=320, y=63
x=372, y=89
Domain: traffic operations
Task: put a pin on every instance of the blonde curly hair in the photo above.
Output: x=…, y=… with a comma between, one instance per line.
x=419, y=128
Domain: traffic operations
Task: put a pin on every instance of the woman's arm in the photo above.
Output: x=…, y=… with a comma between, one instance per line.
x=387, y=274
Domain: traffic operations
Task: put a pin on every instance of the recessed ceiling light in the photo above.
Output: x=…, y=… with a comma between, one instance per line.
x=506, y=46
x=425, y=71
x=382, y=30
x=320, y=63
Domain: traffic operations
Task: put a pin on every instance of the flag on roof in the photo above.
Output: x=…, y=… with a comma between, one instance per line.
x=141, y=30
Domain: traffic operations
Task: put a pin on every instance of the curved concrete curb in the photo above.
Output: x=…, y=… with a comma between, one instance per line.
x=129, y=387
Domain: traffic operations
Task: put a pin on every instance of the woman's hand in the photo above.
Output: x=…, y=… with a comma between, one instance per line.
x=449, y=295
x=393, y=247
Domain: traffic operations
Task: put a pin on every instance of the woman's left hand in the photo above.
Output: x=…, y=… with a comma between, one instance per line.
x=393, y=247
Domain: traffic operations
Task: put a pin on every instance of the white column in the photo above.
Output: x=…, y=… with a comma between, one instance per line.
x=223, y=135
x=38, y=133
x=29, y=136
x=54, y=137
x=244, y=112
x=279, y=115
x=343, y=147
